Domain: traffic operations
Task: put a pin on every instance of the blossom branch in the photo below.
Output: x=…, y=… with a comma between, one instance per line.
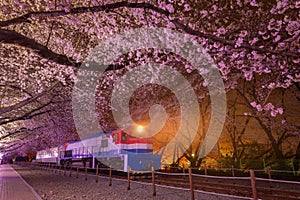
x=27, y=101
x=108, y=7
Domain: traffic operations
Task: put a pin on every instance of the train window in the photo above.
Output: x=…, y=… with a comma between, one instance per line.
x=124, y=136
x=116, y=138
x=104, y=143
x=68, y=153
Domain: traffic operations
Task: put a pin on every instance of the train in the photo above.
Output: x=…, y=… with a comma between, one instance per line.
x=116, y=149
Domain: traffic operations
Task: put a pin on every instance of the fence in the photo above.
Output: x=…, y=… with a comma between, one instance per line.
x=246, y=187
x=263, y=173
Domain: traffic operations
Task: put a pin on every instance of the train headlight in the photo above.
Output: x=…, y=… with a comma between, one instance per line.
x=140, y=129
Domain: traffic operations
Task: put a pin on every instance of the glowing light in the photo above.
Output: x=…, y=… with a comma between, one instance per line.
x=140, y=128
x=193, y=155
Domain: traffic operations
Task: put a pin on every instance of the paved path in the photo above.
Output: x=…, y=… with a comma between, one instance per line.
x=14, y=187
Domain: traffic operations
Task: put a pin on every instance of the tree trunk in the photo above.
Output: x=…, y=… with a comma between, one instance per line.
x=297, y=158
x=277, y=151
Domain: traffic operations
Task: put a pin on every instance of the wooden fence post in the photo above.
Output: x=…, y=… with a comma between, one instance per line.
x=110, y=178
x=205, y=170
x=86, y=173
x=97, y=175
x=128, y=178
x=269, y=175
x=191, y=184
x=232, y=170
x=269, y=172
x=65, y=168
x=253, y=184
x=153, y=182
x=77, y=172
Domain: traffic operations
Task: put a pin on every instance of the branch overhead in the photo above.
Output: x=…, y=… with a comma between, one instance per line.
x=61, y=59
x=13, y=37
x=80, y=10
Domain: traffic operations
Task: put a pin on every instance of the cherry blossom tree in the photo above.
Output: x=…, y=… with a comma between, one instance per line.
x=255, y=44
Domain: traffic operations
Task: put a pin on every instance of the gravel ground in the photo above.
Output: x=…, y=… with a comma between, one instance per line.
x=54, y=186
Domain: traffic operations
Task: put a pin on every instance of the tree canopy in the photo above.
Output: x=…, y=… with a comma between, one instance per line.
x=255, y=44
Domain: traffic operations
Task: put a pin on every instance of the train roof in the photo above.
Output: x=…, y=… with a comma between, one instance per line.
x=92, y=136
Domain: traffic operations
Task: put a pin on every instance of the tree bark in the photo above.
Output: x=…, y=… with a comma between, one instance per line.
x=297, y=158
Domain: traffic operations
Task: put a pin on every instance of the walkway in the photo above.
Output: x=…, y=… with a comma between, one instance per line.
x=14, y=187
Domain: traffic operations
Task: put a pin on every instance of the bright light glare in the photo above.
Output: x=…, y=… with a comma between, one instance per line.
x=140, y=128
